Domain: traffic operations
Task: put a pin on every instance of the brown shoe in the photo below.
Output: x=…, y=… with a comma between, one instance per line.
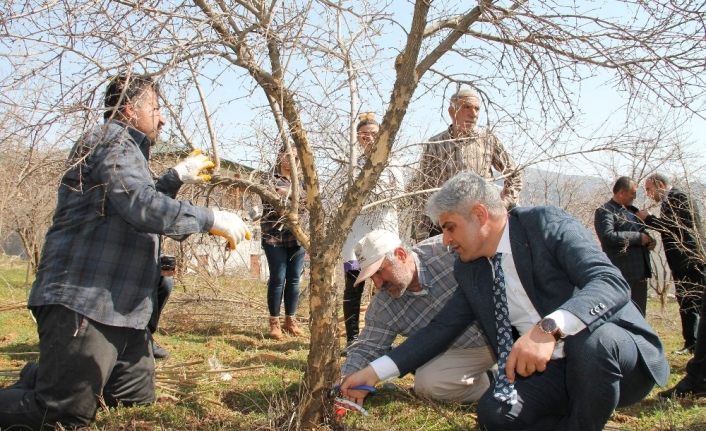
x=275, y=330
x=292, y=327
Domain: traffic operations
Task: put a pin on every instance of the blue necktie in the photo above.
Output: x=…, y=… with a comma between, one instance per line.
x=504, y=390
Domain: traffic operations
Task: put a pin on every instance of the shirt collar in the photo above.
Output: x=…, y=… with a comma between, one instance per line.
x=504, y=245
x=142, y=141
x=422, y=274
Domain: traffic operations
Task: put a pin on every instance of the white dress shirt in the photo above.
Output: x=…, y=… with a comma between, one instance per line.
x=523, y=315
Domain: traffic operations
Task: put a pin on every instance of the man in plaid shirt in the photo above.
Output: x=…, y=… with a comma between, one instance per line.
x=98, y=275
x=414, y=284
x=463, y=146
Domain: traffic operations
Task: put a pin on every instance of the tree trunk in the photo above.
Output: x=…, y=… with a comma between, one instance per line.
x=322, y=364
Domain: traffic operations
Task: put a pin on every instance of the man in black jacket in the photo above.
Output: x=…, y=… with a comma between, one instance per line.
x=678, y=223
x=623, y=239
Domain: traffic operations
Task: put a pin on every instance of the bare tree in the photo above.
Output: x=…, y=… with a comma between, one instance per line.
x=306, y=68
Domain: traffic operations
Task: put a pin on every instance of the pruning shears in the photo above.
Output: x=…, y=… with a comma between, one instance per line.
x=342, y=405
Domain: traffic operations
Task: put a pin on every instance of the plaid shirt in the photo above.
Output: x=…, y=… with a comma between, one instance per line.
x=274, y=230
x=100, y=257
x=387, y=317
x=444, y=156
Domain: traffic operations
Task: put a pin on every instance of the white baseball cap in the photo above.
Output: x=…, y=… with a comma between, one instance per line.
x=370, y=251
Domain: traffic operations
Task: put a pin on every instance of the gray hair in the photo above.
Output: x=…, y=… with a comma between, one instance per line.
x=659, y=177
x=460, y=192
x=463, y=92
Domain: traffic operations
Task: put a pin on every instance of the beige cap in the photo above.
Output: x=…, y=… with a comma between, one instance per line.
x=370, y=251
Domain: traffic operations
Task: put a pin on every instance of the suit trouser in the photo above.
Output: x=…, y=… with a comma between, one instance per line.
x=696, y=367
x=80, y=360
x=688, y=286
x=456, y=375
x=352, y=296
x=602, y=370
x=638, y=294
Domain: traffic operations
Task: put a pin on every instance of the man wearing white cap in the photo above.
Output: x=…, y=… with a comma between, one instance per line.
x=413, y=286
x=462, y=147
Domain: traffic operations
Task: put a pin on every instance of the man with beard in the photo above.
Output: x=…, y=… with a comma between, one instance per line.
x=413, y=285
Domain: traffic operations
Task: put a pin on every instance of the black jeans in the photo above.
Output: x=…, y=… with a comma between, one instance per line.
x=352, y=296
x=79, y=361
x=638, y=294
x=696, y=367
x=689, y=286
x=164, y=290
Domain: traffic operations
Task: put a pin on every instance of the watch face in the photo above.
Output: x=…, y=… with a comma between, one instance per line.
x=548, y=325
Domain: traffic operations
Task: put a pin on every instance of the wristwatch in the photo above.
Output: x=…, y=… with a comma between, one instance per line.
x=549, y=326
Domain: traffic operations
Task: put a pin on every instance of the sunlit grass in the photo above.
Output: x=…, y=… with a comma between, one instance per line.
x=224, y=321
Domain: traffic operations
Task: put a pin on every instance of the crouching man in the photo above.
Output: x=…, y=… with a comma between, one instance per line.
x=413, y=285
x=584, y=348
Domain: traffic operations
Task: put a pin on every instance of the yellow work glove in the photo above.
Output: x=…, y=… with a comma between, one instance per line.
x=191, y=169
x=231, y=227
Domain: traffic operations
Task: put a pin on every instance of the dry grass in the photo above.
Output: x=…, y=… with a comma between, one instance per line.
x=225, y=374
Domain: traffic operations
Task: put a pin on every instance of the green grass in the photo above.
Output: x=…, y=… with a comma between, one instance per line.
x=229, y=324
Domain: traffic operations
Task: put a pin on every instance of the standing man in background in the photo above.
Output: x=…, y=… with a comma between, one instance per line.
x=462, y=147
x=623, y=239
x=678, y=223
x=383, y=216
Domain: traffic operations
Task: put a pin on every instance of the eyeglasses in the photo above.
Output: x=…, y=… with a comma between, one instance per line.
x=367, y=134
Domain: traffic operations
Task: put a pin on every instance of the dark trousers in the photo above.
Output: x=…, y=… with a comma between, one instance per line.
x=352, y=296
x=602, y=370
x=689, y=286
x=164, y=290
x=696, y=367
x=79, y=361
x=286, y=264
x=638, y=294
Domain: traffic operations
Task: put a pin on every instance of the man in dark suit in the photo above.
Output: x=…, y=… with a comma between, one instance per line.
x=584, y=348
x=678, y=224
x=624, y=240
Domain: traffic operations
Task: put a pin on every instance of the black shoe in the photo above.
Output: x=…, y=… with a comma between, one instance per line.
x=686, y=350
x=344, y=352
x=685, y=388
x=28, y=377
x=158, y=351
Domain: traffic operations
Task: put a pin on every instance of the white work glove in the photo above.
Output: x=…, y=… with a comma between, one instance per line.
x=190, y=169
x=229, y=226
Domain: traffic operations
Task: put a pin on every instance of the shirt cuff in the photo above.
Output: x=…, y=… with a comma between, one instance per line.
x=567, y=322
x=385, y=368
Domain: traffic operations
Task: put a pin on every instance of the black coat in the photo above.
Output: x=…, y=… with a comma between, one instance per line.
x=678, y=223
x=620, y=234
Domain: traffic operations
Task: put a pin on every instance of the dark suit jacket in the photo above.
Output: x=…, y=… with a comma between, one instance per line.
x=677, y=223
x=560, y=266
x=620, y=234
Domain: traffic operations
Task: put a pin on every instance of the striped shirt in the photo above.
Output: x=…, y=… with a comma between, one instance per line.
x=387, y=317
x=445, y=156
